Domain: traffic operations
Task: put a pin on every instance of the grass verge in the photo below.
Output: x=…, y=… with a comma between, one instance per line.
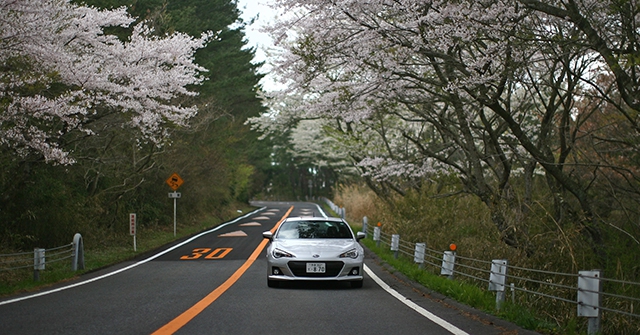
x=465, y=293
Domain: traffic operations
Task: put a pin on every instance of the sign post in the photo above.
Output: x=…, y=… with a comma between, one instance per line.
x=174, y=182
x=132, y=228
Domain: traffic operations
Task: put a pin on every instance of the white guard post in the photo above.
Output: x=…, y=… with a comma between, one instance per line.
x=418, y=255
x=376, y=235
x=365, y=222
x=77, y=262
x=448, y=263
x=395, y=244
x=589, y=299
x=38, y=262
x=498, y=279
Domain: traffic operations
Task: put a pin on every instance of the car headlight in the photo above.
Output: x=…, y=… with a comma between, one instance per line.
x=353, y=253
x=278, y=253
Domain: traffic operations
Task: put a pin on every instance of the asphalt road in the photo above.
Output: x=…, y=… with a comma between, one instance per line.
x=215, y=283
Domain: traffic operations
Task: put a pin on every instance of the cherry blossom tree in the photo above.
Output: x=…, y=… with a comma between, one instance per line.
x=393, y=76
x=61, y=72
x=486, y=90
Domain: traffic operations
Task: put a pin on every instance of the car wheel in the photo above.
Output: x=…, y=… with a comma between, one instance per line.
x=272, y=283
x=357, y=284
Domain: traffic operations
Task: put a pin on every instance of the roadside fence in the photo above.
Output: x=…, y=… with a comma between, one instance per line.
x=40, y=258
x=588, y=290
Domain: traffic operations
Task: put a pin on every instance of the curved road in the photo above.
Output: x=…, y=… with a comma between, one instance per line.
x=215, y=283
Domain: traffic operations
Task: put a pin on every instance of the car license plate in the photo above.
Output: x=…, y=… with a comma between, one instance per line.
x=316, y=267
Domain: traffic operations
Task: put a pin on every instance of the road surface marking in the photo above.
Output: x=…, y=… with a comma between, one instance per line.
x=435, y=319
x=132, y=265
x=188, y=315
x=251, y=224
x=237, y=233
x=219, y=253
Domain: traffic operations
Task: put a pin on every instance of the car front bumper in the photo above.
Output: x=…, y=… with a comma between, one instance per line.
x=294, y=269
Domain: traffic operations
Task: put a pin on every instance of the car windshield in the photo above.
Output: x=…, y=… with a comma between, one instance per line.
x=314, y=229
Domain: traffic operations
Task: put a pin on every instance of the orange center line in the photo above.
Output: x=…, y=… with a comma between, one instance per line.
x=188, y=315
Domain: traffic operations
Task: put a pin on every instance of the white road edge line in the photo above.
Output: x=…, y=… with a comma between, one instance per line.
x=321, y=211
x=435, y=319
x=440, y=322
x=6, y=302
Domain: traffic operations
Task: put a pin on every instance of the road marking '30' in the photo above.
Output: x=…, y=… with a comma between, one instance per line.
x=197, y=253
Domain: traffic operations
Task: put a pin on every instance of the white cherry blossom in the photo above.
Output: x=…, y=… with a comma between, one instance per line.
x=61, y=70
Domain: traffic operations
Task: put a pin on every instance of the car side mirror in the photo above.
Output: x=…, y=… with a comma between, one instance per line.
x=360, y=235
x=268, y=235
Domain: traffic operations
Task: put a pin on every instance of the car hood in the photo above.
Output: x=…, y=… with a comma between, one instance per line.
x=303, y=248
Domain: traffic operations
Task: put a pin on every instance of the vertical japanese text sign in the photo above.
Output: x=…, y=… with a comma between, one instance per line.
x=132, y=224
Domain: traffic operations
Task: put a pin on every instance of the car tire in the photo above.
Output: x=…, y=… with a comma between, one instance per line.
x=357, y=284
x=272, y=283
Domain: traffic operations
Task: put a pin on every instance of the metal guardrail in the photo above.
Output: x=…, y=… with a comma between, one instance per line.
x=589, y=291
x=39, y=258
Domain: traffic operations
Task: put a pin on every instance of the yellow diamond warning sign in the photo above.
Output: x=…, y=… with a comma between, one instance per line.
x=174, y=181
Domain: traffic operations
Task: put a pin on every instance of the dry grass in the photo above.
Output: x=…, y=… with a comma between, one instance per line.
x=359, y=201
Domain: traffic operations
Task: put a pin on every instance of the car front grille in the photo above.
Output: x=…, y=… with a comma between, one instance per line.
x=299, y=269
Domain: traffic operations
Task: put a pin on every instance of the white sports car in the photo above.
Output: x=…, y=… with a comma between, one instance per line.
x=314, y=248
